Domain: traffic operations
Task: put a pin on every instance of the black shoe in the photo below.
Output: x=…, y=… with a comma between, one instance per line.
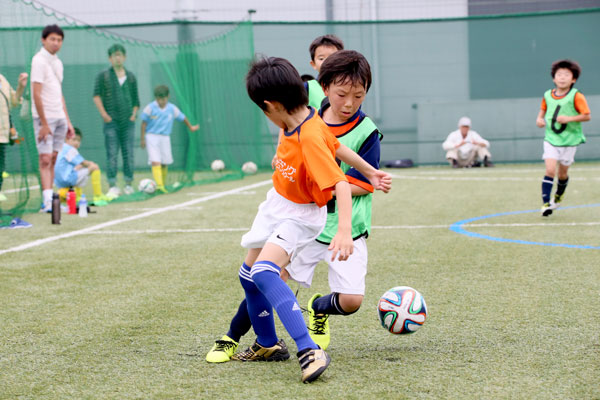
x=487, y=162
x=476, y=164
x=454, y=163
x=256, y=352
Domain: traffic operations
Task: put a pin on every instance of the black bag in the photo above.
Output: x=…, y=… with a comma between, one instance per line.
x=405, y=163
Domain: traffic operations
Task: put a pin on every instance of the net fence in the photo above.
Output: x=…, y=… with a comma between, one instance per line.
x=205, y=78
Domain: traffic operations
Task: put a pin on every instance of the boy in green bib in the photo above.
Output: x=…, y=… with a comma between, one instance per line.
x=345, y=78
x=562, y=111
x=320, y=48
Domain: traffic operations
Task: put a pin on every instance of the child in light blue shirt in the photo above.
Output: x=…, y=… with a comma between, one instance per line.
x=157, y=123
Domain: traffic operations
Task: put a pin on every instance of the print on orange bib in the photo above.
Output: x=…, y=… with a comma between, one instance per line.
x=306, y=170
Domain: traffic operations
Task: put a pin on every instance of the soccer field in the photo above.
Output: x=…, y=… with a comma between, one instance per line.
x=126, y=303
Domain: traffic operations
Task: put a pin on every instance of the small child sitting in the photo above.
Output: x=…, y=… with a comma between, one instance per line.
x=73, y=171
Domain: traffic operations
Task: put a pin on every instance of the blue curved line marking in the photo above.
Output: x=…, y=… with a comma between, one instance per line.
x=458, y=228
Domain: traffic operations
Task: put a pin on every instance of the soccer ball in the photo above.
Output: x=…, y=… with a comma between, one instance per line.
x=402, y=310
x=217, y=165
x=249, y=168
x=147, y=186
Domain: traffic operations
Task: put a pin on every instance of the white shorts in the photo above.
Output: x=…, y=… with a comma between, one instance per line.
x=564, y=155
x=83, y=175
x=289, y=225
x=346, y=277
x=159, y=148
x=52, y=143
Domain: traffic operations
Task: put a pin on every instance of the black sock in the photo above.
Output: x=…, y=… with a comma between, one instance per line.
x=547, y=184
x=561, y=186
x=329, y=304
x=240, y=323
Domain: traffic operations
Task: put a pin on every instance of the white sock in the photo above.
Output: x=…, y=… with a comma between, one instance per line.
x=47, y=196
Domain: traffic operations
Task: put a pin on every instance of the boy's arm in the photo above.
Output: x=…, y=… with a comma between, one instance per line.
x=539, y=121
x=143, y=135
x=16, y=99
x=379, y=179
x=342, y=242
x=98, y=102
x=565, y=119
x=39, y=106
x=191, y=127
x=134, y=96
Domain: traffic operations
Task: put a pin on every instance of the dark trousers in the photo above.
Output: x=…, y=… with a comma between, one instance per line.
x=119, y=136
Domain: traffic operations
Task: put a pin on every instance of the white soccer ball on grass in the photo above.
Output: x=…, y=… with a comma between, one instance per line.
x=249, y=168
x=217, y=165
x=147, y=186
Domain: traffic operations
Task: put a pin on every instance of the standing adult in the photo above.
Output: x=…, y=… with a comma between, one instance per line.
x=117, y=100
x=51, y=121
x=9, y=98
x=466, y=148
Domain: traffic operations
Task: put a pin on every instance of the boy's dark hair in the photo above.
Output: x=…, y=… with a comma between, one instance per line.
x=116, y=47
x=161, y=91
x=307, y=77
x=52, y=29
x=275, y=79
x=78, y=132
x=345, y=66
x=568, y=64
x=325, y=40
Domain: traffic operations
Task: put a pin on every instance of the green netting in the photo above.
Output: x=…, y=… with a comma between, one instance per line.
x=205, y=78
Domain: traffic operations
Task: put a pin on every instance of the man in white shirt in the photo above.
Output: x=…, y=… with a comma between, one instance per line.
x=465, y=147
x=50, y=118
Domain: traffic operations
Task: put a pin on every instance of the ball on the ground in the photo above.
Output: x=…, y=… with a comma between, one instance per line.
x=147, y=186
x=217, y=165
x=249, y=168
x=402, y=310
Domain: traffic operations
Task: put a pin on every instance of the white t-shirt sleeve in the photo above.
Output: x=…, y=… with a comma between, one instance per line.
x=38, y=70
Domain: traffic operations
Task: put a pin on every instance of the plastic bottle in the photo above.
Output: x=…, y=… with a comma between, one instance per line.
x=72, y=201
x=83, y=206
x=55, y=209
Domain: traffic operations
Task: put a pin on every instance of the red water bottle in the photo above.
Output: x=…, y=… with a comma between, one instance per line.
x=72, y=201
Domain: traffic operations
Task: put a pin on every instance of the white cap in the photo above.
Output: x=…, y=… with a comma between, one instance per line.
x=464, y=121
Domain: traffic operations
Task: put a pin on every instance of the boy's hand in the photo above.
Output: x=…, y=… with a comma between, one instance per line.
x=563, y=119
x=23, y=76
x=194, y=128
x=381, y=180
x=106, y=118
x=274, y=161
x=540, y=122
x=343, y=244
x=132, y=118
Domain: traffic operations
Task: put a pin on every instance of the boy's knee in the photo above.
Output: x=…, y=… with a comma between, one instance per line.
x=350, y=303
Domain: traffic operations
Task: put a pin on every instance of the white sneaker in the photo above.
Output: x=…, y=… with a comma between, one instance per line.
x=113, y=193
x=128, y=190
x=46, y=208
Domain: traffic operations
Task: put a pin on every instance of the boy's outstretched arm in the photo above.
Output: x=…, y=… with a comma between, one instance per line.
x=342, y=242
x=191, y=127
x=379, y=179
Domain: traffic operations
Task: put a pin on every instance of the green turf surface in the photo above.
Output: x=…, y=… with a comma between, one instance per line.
x=130, y=310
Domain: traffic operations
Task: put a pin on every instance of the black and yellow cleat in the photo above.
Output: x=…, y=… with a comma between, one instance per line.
x=256, y=352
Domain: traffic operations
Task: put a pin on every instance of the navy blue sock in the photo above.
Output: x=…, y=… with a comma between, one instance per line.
x=259, y=310
x=240, y=323
x=561, y=186
x=265, y=275
x=547, y=188
x=329, y=304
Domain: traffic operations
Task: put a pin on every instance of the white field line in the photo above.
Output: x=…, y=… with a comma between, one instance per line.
x=482, y=178
x=107, y=224
x=244, y=193
x=35, y=187
x=498, y=170
x=375, y=227
x=158, y=208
